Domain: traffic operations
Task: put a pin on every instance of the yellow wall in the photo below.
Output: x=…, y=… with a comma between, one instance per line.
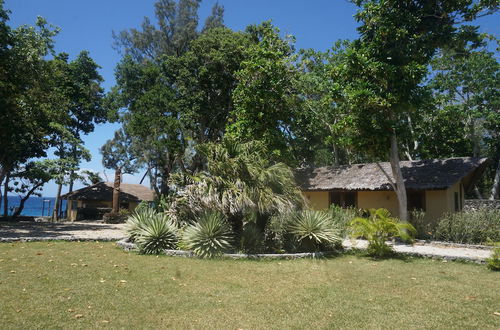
x=437, y=202
x=317, y=200
x=378, y=199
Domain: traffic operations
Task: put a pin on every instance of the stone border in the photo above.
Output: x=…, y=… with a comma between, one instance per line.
x=62, y=238
x=128, y=246
x=451, y=244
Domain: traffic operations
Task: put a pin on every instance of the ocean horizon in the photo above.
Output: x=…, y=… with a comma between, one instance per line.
x=34, y=206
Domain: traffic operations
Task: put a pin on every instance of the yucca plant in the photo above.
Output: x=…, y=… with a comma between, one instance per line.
x=378, y=228
x=156, y=235
x=209, y=236
x=137, y=220
x=314, y=230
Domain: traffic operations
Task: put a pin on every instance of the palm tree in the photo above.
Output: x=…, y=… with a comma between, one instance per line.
x=239, y=180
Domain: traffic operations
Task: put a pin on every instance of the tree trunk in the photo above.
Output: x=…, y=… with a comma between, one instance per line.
x=24, y=199
x=55, y=212
x=116, y=190
x=496, y=183
x=5, y=197
x=399, y=181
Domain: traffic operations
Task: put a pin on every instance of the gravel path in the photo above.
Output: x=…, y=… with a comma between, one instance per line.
x=435, y=249
x=38, y=231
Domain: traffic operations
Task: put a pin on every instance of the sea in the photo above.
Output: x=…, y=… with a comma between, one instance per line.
x=34, y=206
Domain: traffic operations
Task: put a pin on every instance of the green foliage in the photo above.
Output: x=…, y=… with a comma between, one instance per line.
x=493, y=262
x=252, y=238
x=470, y=227
x=378, y=228
x=152, y=231
x=341, y=217
x=239, y=179
x=265, y=95
x=137, y=220
x=425, y=229
x=156, y=235
x=314, y=230
x=209, y=236
x=115, y=217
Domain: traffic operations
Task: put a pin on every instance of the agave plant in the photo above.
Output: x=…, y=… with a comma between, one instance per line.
x=314, y=229
x=209, y=236
x=137, y=220
x=156, y=235
x=378, y=228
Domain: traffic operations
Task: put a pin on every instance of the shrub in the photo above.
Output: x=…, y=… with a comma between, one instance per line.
x=425, y=229
x=473, y=227
x=115, y=217
x=156, y=235
x=378, y=228
x=341, y=217
x=252, y=239
x=209, y=236
x=153, y=232
x=137, y=220
x=314, y=230
x=493, y=262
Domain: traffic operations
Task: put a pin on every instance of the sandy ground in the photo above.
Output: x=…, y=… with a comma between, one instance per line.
x=62, y=230
x=31, y=231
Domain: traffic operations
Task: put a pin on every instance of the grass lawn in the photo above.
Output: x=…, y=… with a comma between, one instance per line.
x=92, y=285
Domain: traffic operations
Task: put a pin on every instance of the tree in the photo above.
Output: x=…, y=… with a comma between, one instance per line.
x=466, y=86
x=265, y=95
x=384, y=68
x=29, y=179
x=25, y=102
x=241, y=182
x=78, y=106
x=145, y=98
x=116, y=155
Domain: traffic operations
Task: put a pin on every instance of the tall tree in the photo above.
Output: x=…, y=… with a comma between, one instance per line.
x=145, y=93
x=25, y=103
x=265, y=95
x=384, y=68
x=117, y=155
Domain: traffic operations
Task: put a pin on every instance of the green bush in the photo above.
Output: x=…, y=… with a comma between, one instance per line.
x=425, y=229
x=116, y=217
x=209, y=236
x=153, y=232
x=469, y=227
x=156, y=235
x=378, y=228
x=314, y=230
x=137, y=220
x=252, y=239
x=493, y=262
x=341, y=217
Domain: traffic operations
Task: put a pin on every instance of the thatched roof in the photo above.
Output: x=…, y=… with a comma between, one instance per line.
x=429, y=174
x=103, y=191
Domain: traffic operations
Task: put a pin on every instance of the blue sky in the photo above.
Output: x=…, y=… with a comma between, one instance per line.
x=88, y=25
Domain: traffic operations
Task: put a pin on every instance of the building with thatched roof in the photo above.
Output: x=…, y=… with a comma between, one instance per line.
x=92, y=201
x=435, y=186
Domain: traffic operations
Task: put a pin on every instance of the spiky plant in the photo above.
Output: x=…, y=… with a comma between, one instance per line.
x=156, y=234
x=209, y=236
x=378, y=228
x=137, y=220
x=315, y=230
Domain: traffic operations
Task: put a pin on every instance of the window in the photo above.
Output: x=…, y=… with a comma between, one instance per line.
x=416, y=200
x=457, y=203
x=343, y=198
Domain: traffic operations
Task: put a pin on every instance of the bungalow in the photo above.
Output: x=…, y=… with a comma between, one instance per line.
x=435, y=186
x=92, y=201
